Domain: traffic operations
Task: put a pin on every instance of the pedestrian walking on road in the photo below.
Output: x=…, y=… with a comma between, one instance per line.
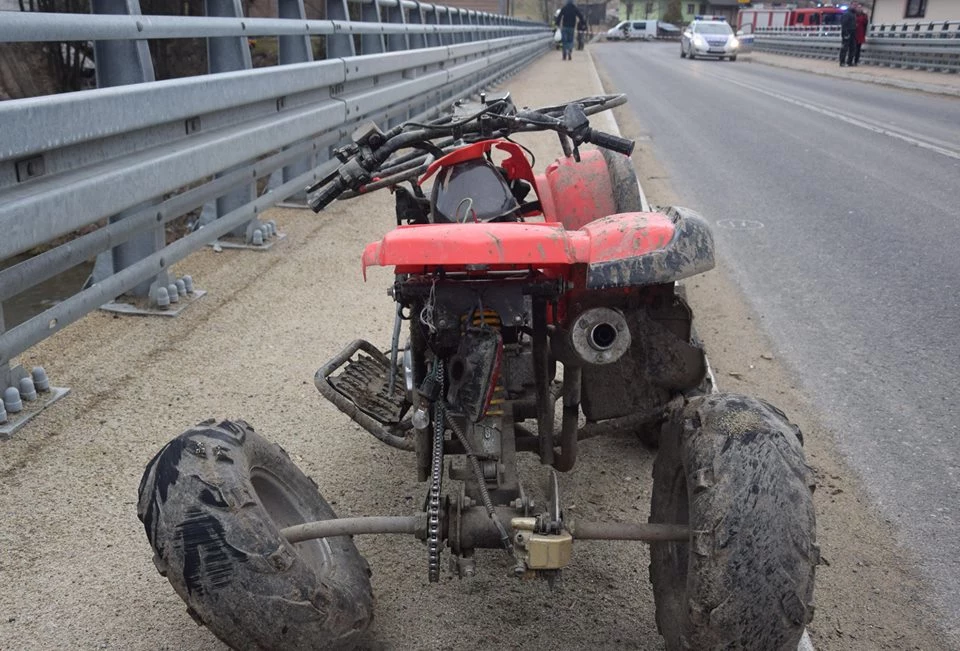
x=568, y=18
x=861, y=35
x=848, y=37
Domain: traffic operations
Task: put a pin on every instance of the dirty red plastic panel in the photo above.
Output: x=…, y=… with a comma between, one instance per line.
x=520, y=245
x=458, y=245
x=627, y=235
x=575, y=194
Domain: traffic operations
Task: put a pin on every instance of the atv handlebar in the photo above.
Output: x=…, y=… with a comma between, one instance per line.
x=610, y=141
x=372, y=150
x=327, y=194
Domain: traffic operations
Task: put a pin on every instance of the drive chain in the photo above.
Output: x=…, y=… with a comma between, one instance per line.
x=436, y=481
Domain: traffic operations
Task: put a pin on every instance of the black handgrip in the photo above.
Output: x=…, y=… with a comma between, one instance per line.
x=610, y=141
x=327, y=194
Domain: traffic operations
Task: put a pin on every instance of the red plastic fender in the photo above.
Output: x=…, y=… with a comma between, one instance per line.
x=575, y=194
x=520, y=245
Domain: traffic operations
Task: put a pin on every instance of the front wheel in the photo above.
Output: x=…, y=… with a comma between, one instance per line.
x=732, y=468
x=213, y=501
x=733, y=58
x=683, y=55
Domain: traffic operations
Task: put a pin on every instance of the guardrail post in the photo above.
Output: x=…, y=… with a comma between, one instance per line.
x=5, y=375
x=415, y=17
x=417, y=42
x=396, y=42
x=371, y=43
x=460, y=37
x=294, y=48
x=119, y=63
x=395, y=15
x=450, y=38
x=339, y=45
x=432, y=17
x=226, y=54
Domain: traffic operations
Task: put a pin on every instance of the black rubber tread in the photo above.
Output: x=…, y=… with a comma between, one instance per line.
x=732, y=467
x=202, y=503
x=623, y=180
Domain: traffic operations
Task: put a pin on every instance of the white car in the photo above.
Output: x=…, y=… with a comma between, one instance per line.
x=709, y=36
x=633, y=29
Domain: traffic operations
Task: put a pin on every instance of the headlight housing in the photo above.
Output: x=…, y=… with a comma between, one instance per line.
x=734, y=42
x=699, y=41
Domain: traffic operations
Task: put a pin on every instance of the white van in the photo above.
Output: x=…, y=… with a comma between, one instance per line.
x=633, y=29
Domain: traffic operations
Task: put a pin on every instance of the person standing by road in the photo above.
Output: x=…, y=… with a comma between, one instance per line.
x=848, y=34
x=861, y=35
x=568, y=18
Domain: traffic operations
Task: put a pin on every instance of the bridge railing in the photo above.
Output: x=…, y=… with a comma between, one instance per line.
x=101, y=172
x=931, y=46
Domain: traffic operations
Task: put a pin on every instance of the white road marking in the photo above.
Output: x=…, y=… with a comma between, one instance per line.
x=849, y=119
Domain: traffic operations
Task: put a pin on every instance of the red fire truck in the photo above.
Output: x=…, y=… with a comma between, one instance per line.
x=750, y=19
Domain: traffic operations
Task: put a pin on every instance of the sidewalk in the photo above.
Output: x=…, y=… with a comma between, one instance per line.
x=940, y=83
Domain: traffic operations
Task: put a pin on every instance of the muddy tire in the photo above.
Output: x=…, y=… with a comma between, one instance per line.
x=213, y=502
x=623, y=180
x=732, y=467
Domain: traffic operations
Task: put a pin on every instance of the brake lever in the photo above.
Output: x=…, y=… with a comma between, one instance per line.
x=575, y=123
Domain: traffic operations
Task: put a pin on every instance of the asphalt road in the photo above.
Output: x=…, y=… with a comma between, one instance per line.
x=835, y=205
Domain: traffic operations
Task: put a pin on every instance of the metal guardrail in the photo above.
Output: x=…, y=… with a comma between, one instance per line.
x=135, y=154
x=929, y=46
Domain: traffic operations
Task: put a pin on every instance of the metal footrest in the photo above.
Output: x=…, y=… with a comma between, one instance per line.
x=366, y=382
x=362, y=391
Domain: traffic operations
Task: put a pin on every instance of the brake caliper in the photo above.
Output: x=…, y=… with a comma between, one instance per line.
x=541, y=545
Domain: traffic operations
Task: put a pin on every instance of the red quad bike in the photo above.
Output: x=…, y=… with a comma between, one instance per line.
x=517, y=291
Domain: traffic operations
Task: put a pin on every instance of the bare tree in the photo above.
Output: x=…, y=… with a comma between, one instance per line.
x=65, y=61
x=673, y=14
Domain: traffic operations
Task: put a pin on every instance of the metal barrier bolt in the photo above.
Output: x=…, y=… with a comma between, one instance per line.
x=172, y=293
x=273, y=226
x=181, y=287
x=27, y=390
x=188, y=283
x=258, y=237
x=40, y=379
x=163, y=298
x=11, y=400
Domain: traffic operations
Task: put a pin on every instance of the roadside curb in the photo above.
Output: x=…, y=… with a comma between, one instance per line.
x=614, y=128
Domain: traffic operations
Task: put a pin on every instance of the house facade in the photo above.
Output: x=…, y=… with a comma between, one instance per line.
x=914, y=11
x=656, y=9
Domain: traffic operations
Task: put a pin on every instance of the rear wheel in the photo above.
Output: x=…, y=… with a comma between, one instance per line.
x=623, y=180
x=732, y=468
x=733, y=58
x=213, y=502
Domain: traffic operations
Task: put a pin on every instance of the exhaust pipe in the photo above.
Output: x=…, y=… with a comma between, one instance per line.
x=600, y=335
